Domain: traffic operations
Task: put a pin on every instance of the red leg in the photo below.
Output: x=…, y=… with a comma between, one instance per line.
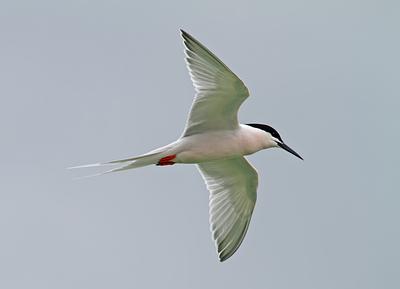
x=166, y=161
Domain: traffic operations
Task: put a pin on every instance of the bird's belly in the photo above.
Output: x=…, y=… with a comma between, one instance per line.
x=203, y=148
x=205, y=154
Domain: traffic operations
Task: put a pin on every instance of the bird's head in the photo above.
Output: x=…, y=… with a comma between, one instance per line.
x=273, y=138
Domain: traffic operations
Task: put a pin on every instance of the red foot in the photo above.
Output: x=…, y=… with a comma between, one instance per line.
x=166, y=161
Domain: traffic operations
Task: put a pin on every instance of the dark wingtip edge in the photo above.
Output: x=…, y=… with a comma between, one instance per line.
x=184, y=33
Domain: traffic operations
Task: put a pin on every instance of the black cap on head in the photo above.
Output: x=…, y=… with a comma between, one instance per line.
x=276, y=135
x=266, y=128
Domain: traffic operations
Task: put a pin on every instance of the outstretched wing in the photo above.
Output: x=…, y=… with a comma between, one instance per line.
x=219, y=92
x=233, y=192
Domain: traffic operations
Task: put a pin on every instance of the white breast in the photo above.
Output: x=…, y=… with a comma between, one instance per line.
x=220, y=144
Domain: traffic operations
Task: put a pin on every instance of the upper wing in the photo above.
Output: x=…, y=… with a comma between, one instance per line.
x=219, y=92
x=233, y=192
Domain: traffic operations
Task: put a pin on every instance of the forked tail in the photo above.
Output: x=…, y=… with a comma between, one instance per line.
x=147, y=159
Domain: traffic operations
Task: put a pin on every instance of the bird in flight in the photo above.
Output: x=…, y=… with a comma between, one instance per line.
x=216, y=142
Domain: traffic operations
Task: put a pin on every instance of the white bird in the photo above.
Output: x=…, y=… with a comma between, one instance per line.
x=215, y=141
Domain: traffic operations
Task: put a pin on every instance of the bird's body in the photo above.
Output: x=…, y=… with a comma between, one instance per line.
x=215, y=141
x=214, y=145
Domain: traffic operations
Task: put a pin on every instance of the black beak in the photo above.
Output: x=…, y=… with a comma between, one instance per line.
x=287, y=148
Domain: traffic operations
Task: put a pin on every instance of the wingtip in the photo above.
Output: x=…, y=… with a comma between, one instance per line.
x=185, y=35
x=223, y=258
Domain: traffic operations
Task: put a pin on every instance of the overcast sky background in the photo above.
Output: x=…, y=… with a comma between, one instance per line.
x=88, y=81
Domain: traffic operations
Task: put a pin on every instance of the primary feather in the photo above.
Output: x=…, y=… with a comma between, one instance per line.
x=219, y=92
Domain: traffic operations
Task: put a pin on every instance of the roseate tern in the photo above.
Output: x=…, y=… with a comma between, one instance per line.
x=215, y=141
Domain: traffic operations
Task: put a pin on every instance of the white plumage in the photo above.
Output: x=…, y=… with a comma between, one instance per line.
x=215, y=141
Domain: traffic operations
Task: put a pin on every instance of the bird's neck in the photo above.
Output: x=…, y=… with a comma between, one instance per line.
x=254, y=139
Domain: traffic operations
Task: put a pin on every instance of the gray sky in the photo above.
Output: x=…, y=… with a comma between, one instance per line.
x=88, y=81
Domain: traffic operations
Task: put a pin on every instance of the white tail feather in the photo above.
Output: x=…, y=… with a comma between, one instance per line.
x=134, y=162
x=123, y=168
x=110, y=163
